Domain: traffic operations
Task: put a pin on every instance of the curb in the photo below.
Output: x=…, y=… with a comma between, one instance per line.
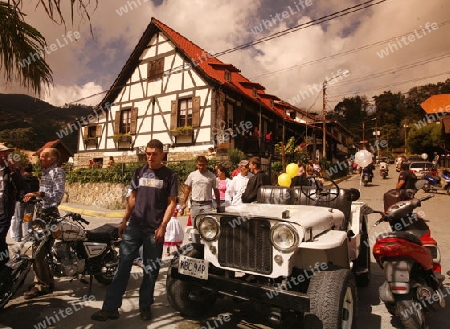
x=93, y=213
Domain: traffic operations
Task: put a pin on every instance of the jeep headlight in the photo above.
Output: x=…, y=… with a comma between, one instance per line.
x=209, y=228
x=284, y=237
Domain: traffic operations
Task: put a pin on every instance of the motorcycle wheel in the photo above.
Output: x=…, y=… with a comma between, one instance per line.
x=411, y=316
x=365, y=183
x=426, y=188
x=448, y=190
x=106, y=274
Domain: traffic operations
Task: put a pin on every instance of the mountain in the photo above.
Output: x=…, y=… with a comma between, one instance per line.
x=28, y=123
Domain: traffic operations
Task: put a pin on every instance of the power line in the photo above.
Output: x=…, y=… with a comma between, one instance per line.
x=351, y=51
x=391, y=85
x=323, y=19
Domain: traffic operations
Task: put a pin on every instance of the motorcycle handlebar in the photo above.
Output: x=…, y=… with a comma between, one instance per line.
x=77, y=217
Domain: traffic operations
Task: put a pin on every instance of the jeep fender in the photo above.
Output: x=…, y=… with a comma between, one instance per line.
x=330, y=247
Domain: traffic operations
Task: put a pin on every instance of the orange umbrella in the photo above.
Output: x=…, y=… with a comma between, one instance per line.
x=437, y=104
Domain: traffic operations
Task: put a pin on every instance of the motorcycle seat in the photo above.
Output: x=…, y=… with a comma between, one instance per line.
x=106, y=232
x=401, y=235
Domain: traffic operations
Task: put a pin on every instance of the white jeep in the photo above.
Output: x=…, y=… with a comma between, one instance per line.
x=296, y=250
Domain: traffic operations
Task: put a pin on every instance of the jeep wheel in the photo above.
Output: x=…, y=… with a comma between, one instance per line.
x=333, y=301
x=188, y=299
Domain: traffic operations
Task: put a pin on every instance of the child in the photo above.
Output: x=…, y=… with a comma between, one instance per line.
x=174, y=233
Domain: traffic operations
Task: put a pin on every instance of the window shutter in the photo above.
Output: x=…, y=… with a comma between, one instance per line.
x=117, y=123
x=173, y=114
x=133, y=120
x=151, y=70
x=98, y=131
x=85, y=132
x=196, y=111
x=159, y=67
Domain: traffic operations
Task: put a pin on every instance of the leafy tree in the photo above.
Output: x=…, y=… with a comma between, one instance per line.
x=425, y=139
x=19, y=39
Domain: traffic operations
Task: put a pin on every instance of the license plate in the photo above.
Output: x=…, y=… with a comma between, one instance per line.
x=198, y=268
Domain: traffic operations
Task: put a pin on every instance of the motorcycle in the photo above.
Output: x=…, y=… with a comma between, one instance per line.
x=75, y=253
x=410, y=258
x=12, y=276
x=366, y=177
x=432, y=182
x=384, y=172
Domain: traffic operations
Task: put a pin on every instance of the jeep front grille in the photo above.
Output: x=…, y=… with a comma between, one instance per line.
x=245, y=245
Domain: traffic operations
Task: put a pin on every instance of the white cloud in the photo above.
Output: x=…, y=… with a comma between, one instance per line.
x=91, y=65
x=60, y=95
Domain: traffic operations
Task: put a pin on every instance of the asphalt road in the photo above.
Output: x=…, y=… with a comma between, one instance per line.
x=66, y=309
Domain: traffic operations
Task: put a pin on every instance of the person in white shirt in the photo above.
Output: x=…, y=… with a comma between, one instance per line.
x=238, y=184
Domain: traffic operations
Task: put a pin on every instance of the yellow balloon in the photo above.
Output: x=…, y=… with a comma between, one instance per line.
x=292, y=170
x=284, y=180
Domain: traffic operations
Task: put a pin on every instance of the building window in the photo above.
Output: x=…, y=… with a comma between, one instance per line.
x=184, y=112
x=92, y=131
x=125, y=121
x=227, y=75
x=155, y=69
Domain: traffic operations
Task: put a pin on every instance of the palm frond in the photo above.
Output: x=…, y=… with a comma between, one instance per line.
x=22, y=50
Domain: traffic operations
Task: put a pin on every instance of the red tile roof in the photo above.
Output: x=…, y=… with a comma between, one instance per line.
x=207, y=63
x=214, y=68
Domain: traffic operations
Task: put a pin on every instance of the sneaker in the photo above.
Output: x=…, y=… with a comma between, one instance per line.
x=103, y=315
x=146, y=313
x=35, y=292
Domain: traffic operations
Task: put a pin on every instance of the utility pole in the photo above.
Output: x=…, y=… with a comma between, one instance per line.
x=324, y=125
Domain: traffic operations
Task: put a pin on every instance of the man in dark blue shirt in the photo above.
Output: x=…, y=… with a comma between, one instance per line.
x=149, y=209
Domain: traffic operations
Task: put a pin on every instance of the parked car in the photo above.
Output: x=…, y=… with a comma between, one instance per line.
x=419, y=167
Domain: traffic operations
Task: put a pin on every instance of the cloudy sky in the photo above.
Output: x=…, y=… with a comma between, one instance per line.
x=286, y=65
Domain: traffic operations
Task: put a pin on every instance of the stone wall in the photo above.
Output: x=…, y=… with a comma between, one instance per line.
x=102, y=195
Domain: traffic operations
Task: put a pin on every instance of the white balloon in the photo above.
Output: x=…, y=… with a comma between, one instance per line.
x=363, y=158
x=424, y=156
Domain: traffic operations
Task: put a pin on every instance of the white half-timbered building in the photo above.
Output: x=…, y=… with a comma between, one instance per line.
x=173, y=90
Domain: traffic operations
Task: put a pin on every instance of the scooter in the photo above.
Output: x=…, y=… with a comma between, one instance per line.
x=434, y=182
x=410, y=258
x=366, y=177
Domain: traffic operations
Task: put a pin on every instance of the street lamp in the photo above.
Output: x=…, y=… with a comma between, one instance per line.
x=406, y=125
x=364, y=129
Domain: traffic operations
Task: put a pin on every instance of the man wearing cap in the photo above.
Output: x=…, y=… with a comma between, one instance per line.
x=202, y=183
x=239, y=183
x=11, y=186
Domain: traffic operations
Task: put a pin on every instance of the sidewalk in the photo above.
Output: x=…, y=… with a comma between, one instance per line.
x=92, y=211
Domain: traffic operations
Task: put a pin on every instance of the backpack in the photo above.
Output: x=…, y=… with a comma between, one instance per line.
x=31, y=184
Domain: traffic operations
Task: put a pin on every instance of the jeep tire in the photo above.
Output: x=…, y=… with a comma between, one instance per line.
x=333, y=301
x=180, y=293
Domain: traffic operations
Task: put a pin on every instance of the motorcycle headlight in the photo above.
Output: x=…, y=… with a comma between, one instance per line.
x=209, y=228
x=284, y=237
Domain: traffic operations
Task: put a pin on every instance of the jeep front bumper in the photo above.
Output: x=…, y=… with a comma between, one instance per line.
x=247, y=291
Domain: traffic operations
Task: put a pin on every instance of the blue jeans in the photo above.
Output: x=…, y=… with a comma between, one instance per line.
x=21, y=209
x=132, y=239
